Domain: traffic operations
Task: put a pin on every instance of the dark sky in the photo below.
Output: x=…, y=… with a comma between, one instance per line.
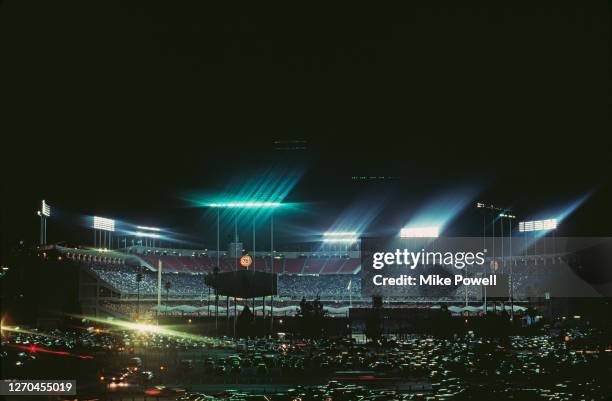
x=121, y=108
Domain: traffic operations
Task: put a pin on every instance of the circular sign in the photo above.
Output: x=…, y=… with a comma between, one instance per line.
x=246, y=261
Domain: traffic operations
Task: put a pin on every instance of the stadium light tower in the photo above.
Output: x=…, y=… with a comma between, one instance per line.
x=539, y=228
x=250, y=205
x=106, y=227
x=44, y=213
x=245, y=205
x=507, y=215
x=497, y=213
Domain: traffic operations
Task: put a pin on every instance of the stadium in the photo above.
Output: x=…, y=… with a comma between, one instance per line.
x=114, y=282
x=142, y=317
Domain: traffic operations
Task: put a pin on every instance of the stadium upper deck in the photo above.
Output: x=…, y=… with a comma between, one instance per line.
x=202, y=261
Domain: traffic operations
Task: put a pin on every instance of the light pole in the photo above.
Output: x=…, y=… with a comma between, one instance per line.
x=41, y=240
x=538, y=228
x=254, y=268
x=43, y=213
x=271, y=271
x=502, y=214
x=167, y=286
x=509, y=216
x=218, y=246
x=249, y=205
x=494, y=210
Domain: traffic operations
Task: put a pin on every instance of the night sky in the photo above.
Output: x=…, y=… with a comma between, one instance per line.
x=126, y=110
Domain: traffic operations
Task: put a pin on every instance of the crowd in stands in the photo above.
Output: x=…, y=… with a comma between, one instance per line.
x=328, y=287
x=529, y=280
x=203, y=263
x=125, y=279
x=183, y=285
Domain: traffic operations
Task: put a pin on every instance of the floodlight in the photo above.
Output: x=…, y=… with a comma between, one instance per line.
x=537, y=225
x=420, y=232
x=340, y=240
x=101, y=223
x=148, y=228
x=507, y=215
x=45, y=209
x=246, y=205
x=148, y=235
x=481, y=205
x=340, y=234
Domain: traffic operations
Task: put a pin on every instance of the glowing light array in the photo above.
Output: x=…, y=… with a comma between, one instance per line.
x=45, y=209
x=246, y=205
x=420, y=232
x=148, y=235
x=340, y=237
x=148, y=228
x=340, y=234
x=343, y=240
x=537, y=225
x=101, y=223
